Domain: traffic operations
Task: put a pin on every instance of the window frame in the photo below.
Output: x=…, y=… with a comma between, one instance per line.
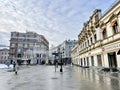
x=104, y=33
x=115, y=27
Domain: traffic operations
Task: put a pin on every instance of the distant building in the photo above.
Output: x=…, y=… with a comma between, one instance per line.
x=65, y=50
x=51, y=56
x=4, y=54
x=29, y=46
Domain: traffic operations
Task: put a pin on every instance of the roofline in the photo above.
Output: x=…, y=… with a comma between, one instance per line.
x=109, y=9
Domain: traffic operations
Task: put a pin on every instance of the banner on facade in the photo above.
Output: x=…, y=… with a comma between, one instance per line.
x=111, y=47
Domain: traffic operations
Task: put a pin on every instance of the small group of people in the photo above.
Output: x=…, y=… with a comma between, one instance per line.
x=15, y=67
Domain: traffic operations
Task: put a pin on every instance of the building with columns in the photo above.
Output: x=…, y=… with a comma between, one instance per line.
x=29, y=46
x=99, y=40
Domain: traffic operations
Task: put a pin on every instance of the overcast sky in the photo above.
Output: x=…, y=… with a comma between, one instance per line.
x=57, y=20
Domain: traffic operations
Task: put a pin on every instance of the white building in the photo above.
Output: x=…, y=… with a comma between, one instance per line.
x=4, y=54
x=65, y=50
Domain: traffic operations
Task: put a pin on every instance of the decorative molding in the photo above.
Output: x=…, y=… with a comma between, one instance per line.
x=113, y=16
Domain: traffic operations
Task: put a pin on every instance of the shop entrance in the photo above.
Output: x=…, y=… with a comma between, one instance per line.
x=92, y=61
x=84, y=62
x=87, y=61
x=99, y=60
x=112, y=60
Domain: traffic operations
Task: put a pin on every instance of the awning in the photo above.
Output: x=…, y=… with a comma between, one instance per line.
x=118, y=53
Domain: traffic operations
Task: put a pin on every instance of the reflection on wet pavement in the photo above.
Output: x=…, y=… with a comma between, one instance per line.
x=45, y=78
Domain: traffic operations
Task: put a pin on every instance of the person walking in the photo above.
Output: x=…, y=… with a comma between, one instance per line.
x=14, y=65
x=16, y=69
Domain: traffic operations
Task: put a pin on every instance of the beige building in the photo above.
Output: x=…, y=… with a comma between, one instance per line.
x=99, y=40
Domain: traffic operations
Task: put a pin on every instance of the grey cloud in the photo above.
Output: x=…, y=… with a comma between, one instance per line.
x=56, y=19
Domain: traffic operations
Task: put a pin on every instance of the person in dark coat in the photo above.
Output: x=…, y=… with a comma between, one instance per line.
x=14, y=64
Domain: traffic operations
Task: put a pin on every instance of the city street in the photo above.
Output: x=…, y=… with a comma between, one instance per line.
x=45, y=78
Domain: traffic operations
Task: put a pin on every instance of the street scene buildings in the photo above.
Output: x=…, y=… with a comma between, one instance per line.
x=29, y=62
x=99, y=40
x=30, y=47
x=64, y=49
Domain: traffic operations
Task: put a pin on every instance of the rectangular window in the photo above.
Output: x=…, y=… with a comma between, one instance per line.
x=104, y=33
x=13, y=34
x=5, y=57
x=95, y=37
x=85, y=44
x=115, y=28
x=91, y=40
x=88, y=42
x=37, y=55
x=12, y=45
x=19, y=55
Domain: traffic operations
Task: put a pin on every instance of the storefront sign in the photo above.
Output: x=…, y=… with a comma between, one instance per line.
x=103, y=49
x=111, y=47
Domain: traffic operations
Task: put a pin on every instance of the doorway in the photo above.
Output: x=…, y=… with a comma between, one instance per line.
x=112, y=60
x=92, y=61
x=99, y=60
x=84, y=62
x=87, y=61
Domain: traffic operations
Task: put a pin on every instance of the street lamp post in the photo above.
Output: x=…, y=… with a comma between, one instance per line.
x=61, y=69
x=60, y=58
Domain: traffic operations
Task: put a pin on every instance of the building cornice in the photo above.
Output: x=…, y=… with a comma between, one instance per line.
x=113, y=6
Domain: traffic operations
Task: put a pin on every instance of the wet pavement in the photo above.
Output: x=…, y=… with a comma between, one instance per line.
x=45, y=78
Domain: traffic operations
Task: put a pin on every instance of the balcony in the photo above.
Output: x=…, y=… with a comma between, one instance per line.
x=111, y=39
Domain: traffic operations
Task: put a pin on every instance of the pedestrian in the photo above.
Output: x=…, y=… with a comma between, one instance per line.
x=14, y=64
x=16, y=69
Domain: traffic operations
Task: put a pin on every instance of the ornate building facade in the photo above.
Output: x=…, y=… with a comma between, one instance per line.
x=28, y=46
x=99, y=40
